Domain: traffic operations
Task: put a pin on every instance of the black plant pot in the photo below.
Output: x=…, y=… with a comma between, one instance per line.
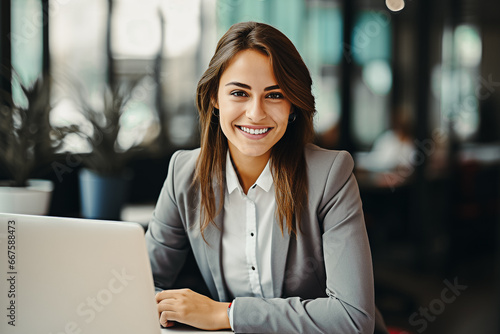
x=103, y=197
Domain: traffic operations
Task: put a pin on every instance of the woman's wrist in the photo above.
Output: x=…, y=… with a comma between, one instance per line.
x=223, y=315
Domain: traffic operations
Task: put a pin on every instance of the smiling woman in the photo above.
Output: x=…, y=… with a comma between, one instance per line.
x=253, y=113
x=280, y=71
x=275, y=223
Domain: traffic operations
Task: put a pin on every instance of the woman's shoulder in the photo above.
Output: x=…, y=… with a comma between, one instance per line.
x=185, y=158
x=182, y=165
x=318, y=157
x=327, y=170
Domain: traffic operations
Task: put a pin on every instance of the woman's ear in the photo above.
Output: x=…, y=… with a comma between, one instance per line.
x=292, y=116
x=215, y=103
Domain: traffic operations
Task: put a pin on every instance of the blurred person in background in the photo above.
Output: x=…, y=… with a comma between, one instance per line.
x=391, y=160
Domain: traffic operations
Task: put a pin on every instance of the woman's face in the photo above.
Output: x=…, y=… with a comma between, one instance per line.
x=253, y=110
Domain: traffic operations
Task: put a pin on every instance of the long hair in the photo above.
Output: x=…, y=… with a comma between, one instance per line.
x=288, y=165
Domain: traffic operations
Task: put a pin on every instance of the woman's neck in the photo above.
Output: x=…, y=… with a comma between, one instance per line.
x=248, y=168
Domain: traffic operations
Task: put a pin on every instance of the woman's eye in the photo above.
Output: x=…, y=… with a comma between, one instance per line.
x=238, y=93
x=275, y=95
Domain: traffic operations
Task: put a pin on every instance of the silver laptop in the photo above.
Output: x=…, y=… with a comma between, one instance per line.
x=65, y=275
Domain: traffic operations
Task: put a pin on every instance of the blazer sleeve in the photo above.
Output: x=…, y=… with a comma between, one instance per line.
x=166, y=239
x=348, y=304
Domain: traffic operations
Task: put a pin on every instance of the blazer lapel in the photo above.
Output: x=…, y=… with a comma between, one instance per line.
x=213, y=237
x=279, y=254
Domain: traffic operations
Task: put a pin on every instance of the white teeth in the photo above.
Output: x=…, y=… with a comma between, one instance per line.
x=254, y=131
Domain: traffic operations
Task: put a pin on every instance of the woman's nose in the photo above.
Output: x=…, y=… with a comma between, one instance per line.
x=255, y=111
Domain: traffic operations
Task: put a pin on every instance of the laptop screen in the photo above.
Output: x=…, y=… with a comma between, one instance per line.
x=66, y=275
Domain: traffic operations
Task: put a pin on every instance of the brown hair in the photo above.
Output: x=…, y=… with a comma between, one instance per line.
x=288, y=163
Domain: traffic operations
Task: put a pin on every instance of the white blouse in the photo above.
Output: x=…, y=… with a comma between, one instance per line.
x=247, y=236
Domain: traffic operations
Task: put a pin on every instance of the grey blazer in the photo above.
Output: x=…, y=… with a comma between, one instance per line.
x=324, y=277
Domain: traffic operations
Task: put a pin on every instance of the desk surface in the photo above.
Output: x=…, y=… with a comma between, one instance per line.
x=189, y=330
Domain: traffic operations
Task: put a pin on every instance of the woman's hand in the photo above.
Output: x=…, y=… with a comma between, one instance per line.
x=191, y=308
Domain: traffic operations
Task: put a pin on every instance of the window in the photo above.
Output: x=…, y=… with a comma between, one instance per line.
x=155, y=42
x=372, y=82
x=78, y=54
x=26, y=41
x=455, y=82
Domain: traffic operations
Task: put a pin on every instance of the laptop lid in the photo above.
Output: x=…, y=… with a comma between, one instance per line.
x=74, y=276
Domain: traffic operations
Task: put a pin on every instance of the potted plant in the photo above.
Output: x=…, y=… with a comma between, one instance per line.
x=28, y=143
x=104, y=179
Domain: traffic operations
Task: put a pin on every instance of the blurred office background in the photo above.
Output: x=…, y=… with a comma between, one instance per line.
x=413, y=95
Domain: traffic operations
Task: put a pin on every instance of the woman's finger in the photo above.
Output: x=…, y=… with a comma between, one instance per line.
x=164, y=306
x=167, y=317
x=168, y=301
x=171, y=294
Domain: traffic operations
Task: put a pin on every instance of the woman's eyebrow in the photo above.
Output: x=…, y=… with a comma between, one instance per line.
x=271, y=88
x=239, y=84
x=242, y=85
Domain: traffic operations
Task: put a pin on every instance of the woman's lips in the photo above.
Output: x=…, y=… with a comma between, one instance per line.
x=254, y=132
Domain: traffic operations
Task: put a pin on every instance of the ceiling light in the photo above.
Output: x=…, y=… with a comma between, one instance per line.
x=395, y=5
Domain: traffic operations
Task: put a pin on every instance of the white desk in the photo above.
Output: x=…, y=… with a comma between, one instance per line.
x=190, y=330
